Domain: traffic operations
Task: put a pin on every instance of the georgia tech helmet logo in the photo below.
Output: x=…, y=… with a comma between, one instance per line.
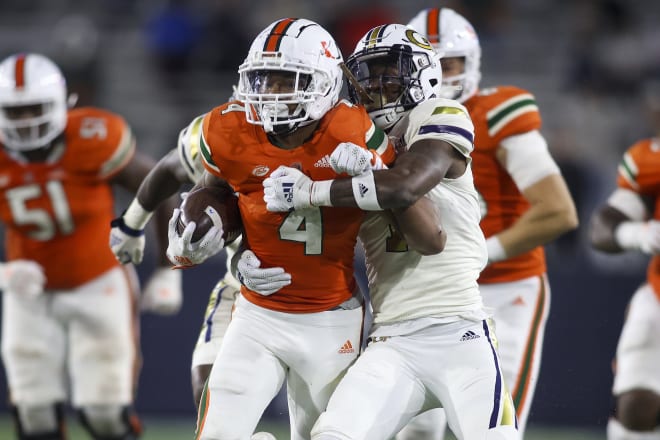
x=418, y=39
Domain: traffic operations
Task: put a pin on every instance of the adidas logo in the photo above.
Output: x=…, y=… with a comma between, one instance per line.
x=363, y=189
x=287, y=190
x=346, y=348
x=323, y=162
x=469, y=335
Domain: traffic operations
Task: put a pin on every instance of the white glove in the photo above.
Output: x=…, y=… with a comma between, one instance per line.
x=643, y=236
x=263, y=281
x=126, y=243
x=287, y=189
x=182, y=253
x=354, y=160
x=22, y=277
x=162, y=294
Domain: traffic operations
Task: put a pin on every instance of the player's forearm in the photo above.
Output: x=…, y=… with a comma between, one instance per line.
x=551, y=213
x=385, y=189
x=421, y=227
x=539, y=225
x=158, y=186
x=162, y=216
x=602, y=229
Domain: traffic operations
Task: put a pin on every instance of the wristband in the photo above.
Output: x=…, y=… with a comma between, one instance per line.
x=364, y=192
x=495, y=249
x=320, y=193
x=119, y=223
x=136, y=217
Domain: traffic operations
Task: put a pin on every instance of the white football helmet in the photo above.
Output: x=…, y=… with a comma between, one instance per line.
x=397, y=68
x=453, y=36
x=308, y=57
x=33, y=103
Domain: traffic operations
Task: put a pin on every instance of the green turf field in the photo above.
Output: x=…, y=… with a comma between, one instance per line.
x=163, y=429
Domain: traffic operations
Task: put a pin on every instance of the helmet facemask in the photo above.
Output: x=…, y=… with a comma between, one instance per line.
x=29, y=126
x=278, y=94
x=33, y=112
x=454, y=77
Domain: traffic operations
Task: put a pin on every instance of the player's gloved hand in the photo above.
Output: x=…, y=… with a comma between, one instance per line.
x=125, y=242
x=264, y=281
x=643, y=236
x=163, y=293
x=22, y=277
x=287, y=189
x=182, y=252
x=355, y=160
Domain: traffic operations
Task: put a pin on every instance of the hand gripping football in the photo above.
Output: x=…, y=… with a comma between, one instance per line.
x=204, y=206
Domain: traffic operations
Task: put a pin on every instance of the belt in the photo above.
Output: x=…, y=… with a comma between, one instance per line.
x=350, y=304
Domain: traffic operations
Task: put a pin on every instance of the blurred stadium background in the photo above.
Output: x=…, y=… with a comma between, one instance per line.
x=160, y=63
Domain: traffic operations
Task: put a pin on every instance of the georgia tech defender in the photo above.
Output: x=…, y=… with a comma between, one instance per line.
x=431, y=344
x=524, y=200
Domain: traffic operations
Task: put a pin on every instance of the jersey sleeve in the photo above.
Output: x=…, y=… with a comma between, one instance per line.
x=639, y=169
x=352, y=122
x=441, y=119
x=513, y=112
x=378, y=141
x=188, y=147
x=207, y=155
x=103, y=141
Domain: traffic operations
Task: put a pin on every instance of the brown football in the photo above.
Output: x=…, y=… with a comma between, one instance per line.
x=200, y=202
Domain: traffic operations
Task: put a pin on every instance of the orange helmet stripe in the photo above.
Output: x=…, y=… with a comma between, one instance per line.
x=433, y=25
x=19, y=71
x=273, y=41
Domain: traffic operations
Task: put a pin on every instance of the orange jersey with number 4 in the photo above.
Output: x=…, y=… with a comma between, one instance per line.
x=314, y=245
x=58, y=212
x=498, y=113
x=639, y=171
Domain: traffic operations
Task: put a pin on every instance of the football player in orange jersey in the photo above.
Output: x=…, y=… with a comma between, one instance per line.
x=69, y=317
x=307, y=332
x=525, y=204
x=630, y=220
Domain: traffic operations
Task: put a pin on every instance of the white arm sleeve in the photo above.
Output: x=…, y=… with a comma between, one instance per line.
x=528, y=159
x=630, y=203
